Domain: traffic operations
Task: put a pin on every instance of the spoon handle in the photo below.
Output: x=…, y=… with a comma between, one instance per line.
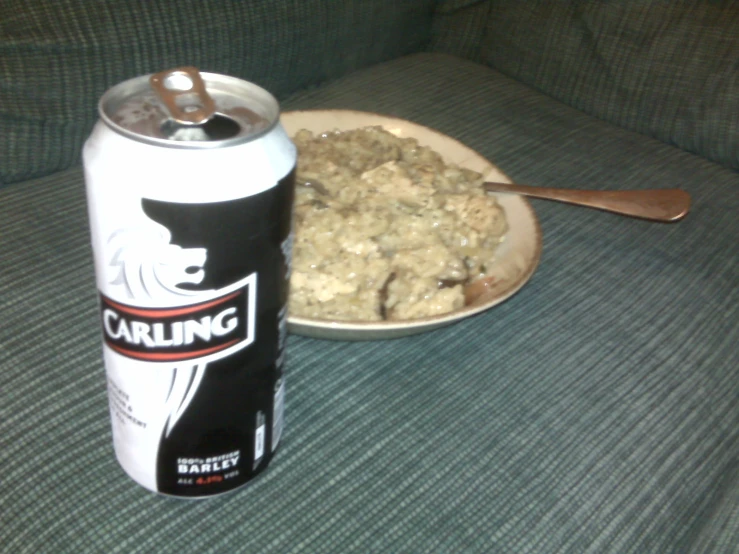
x=653, y=204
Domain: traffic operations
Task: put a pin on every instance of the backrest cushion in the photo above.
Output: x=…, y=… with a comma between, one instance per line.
x=669, y=69
x=459, y=26
x=58, y=56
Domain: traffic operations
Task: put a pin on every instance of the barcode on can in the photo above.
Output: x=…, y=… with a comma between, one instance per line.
x=259, y=439
x=278, y=416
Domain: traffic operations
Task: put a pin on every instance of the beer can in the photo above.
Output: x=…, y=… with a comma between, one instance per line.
x=189, y=179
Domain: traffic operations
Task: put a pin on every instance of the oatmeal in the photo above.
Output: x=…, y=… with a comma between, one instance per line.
x=385, y=229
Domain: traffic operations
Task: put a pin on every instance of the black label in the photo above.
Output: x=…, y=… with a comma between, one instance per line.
x=227, y=342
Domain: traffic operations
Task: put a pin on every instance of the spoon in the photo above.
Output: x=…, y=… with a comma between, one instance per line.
x=653, y=204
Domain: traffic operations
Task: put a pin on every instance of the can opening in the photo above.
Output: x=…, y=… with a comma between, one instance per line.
x=188, y=103
x=218, y=127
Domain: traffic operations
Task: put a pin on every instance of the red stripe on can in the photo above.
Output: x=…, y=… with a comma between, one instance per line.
x=158, y=312
x=171, y=356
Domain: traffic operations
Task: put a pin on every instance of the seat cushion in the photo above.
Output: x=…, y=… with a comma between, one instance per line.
x=594, y=411
x=665, y=69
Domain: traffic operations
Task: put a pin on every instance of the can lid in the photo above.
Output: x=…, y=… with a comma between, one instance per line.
x=184, y=108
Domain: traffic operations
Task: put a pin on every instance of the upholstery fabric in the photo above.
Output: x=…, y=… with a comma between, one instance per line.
x=58, y=56
x=719, y=533
x=595, y=411
x=665, y=69
x=458, y=28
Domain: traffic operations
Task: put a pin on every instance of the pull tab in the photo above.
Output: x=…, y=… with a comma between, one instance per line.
x=183, y=93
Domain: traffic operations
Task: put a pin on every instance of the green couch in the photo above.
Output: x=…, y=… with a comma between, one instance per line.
x=595, y=411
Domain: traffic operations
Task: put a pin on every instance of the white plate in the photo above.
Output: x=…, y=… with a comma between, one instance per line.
x=517, y=257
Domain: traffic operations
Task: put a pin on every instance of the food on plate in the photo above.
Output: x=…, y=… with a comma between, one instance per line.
x=385, y=229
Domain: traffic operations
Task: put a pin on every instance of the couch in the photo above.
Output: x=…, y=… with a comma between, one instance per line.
x=597, y=410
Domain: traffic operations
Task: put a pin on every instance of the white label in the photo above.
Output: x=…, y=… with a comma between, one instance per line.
x=167, y=311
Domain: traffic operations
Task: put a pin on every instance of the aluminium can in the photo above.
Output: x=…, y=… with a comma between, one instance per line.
x=189, y=179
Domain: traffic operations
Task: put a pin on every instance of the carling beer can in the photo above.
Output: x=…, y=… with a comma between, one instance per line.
x=189, y=182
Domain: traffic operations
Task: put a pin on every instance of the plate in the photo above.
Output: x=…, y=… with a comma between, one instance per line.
x=517, y=256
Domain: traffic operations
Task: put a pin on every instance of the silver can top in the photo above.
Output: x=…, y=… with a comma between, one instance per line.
x=183, y=108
